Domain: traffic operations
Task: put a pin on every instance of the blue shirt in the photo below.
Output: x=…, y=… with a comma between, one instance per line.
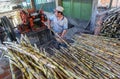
x=59, y=25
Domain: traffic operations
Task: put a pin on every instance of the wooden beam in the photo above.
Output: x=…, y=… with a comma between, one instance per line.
x=56, y=2
x=93, y=16
x=32, y=3
x=110, y=5
x=60, y=2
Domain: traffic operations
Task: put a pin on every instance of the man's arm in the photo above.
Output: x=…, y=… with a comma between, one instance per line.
x=63, y=33
x=65, y=28
x=49, y=23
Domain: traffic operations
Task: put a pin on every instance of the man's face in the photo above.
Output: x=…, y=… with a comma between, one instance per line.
x=56, y=13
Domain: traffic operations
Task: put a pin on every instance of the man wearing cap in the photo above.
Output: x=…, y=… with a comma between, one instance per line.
x=59, y=22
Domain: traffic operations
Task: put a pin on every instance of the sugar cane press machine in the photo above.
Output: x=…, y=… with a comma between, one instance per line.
x=32, y=21
x=33, y=25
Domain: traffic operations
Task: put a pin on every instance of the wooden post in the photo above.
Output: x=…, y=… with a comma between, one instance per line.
x=110, y=5
x=56, y=2
x=32, y=3
x=93, y=16
x=60, y=2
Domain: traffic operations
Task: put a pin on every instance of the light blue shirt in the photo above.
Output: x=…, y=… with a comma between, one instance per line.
x=59, y=25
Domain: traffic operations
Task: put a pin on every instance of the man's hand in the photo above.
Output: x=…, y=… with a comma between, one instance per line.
x=62, y=36
x=49, y=23
x=49, y=27
x=63, y=33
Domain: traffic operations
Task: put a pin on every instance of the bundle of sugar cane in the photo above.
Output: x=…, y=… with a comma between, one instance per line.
x=111, y=25
x=77, y=61
x=102, y=50
x=85, y=59
x=34, y=64
x=89, y=64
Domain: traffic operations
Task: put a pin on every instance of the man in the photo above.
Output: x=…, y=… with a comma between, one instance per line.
x=59, y=22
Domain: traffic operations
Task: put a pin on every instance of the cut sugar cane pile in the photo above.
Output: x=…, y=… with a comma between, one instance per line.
x=111, y=25
x=90, y=57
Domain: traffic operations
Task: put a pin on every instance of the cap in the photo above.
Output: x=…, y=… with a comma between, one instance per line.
x=59, y=8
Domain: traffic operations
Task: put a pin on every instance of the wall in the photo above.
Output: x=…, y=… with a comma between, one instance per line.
x=105, y=3
x=80, y=9
x=46, y=5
